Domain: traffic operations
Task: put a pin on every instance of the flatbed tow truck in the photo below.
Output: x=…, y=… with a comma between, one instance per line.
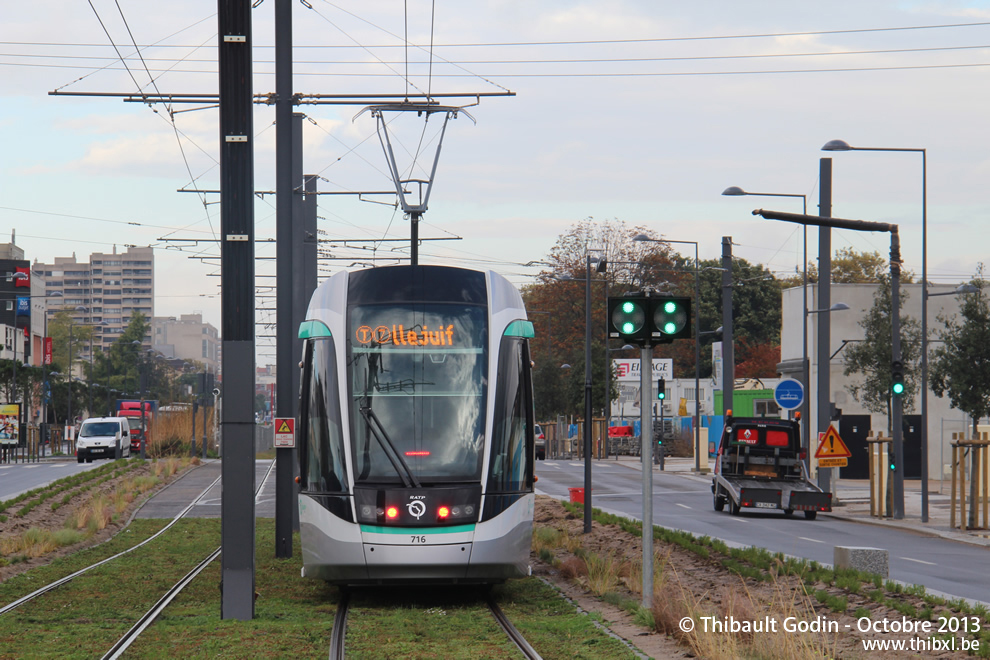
x=760, y=464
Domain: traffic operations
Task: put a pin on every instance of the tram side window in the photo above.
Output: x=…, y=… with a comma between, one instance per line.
x=510, y=468
x=323, y=454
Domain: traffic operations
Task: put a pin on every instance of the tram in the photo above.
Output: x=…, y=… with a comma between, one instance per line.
x=416, y=429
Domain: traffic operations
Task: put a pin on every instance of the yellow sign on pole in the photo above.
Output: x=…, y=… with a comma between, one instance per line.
x=830, y=445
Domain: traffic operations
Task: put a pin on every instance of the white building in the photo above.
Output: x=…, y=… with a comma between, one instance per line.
x=943, y=420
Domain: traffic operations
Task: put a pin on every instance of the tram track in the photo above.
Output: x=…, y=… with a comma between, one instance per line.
x=68, y=578
x=148, y=617
x=339, y=633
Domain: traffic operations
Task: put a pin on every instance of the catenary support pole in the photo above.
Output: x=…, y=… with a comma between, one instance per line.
x=237, y=308
x=285, y=183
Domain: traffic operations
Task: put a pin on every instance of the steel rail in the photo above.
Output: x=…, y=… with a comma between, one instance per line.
x=340, y=626
x=148, y=618
x=511, y=631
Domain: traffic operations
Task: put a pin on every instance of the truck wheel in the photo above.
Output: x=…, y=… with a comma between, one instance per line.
x=734, y=508
x=79, y=457
x=810, y=515
x=719, y=500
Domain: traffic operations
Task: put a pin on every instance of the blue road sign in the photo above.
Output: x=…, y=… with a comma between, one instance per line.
x=789, y=394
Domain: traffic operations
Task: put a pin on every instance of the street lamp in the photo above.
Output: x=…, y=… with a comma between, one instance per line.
x=72, y=324
x=697, y=346
x=736, y=191
x=842, y=145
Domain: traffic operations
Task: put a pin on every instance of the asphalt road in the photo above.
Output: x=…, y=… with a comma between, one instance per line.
x=684, y=502
x=17, y=478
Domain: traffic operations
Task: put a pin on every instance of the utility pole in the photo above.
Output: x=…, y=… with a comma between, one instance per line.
x=237, y=307
x=728, y=354
x=824, y=406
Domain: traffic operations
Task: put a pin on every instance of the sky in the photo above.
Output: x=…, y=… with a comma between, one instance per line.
x=640, y=111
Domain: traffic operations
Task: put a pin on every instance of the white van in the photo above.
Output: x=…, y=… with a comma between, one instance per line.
x=99, y=437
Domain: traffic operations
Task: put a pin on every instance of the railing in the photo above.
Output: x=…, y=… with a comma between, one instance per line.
x=37, y=443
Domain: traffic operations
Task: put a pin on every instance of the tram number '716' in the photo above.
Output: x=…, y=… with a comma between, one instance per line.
x=417, y=539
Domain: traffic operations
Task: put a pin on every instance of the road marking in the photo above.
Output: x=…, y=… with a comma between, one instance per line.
x=682, y=505
x=919, y=561
x=576, y=464
x=805, y=538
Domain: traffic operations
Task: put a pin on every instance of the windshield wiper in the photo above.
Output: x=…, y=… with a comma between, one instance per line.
x=409, y=479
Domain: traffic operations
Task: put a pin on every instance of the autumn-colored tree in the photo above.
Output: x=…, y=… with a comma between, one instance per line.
x=556, y=305
x=756, y=360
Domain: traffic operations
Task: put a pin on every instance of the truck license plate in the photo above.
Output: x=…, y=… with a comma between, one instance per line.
x=766, y=505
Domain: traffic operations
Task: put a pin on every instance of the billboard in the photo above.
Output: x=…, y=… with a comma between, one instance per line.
x=9, y=427
x=627, y=370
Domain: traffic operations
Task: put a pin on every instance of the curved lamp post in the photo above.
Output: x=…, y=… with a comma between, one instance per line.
x=842, y=145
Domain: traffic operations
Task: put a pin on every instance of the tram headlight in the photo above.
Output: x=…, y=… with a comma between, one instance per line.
x=443, y=512
x=367, y=511
x=392, y=512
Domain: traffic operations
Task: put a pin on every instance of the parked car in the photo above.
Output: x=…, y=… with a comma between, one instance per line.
x=100, y=437
x=541, y=444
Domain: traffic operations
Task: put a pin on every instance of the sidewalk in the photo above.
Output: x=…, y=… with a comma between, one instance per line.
x=851, y=501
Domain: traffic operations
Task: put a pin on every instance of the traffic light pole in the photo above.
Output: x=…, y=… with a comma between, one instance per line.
x=646, y=442
x=897, y=401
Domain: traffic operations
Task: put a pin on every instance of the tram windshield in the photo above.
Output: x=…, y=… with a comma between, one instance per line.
x=418, y=384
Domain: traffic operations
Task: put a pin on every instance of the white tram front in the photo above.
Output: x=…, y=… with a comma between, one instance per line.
x=416, y=428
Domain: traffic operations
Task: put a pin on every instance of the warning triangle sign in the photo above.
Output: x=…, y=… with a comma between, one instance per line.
x=832, y=446
x=284, y=427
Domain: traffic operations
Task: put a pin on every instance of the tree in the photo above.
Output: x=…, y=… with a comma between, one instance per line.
x=556, y=305
x=872, y=357
x=960, y=366
x=756, y=361
x=756, y=318
x=850, y=266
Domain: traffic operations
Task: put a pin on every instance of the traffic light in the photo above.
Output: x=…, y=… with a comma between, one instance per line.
x=649, y=320
x=627, y=318
x=661, y=389
x=897, y=378
x=671, y=319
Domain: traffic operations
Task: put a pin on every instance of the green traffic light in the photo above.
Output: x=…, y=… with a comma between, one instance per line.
x=898, y=388
x=628, y=318
x=670, y=318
